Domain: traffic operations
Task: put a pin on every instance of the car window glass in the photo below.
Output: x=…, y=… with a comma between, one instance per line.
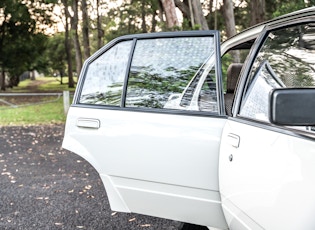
x=104, y=78
x=207, y=98
x=255, y=104
x=163, y=69
x=286, y=59
x=235, y=56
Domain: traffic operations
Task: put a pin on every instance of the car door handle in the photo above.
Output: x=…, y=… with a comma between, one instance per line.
x=88, y=123
x=233, y=140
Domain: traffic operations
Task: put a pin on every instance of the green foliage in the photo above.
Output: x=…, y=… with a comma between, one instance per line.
x=127, y=18
x=21, y=45
x=56, y=55
x=275, y=8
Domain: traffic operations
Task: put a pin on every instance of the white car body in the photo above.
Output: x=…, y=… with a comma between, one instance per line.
x=222, y=171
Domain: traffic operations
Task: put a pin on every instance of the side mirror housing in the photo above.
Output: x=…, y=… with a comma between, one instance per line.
x=292, y=106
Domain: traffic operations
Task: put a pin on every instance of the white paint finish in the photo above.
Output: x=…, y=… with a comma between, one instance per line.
x=173, y=202
x=173, y=149
x=116, y=202
x=180, y=151
x=271, y=178
x=236, y=218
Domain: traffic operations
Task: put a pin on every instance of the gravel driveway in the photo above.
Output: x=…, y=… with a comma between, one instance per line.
x=43, y=186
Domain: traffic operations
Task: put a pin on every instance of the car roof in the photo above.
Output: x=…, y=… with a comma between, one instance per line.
x=245, y=38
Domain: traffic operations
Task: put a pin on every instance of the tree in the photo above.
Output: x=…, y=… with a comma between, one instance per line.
x=228, y=14
x=21, y=42
x=75, y=36
x=55, y=53
x=258, y=11
x=85, y=29
x=198, y=16
x=136, y=16
x=68, y=44
x=100, y=30
x=170, y=13
x=275, y=8
x=192, y=11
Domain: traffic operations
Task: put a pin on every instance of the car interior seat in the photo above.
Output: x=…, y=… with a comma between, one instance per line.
x=233, y=73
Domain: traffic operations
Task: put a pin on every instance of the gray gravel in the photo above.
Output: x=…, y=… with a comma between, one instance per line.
x=43, y=186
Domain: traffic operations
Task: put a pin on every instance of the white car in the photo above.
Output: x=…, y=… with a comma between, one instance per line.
x=172, y=136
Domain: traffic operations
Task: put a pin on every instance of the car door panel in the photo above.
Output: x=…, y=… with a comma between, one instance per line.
x=163, y=161
x=267, y=176
x=152, y=158
x=270, y=177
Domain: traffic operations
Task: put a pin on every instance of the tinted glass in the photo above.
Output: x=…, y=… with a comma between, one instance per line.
x=286, y=59
x=162, y=69
x=207, y=100
x=105, y=76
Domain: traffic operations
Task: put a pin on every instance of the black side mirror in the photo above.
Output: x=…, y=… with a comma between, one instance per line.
x=292, y=106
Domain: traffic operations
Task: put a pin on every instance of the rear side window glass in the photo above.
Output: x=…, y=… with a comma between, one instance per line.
x=104, y=79
x=207, y=100
x=162, y=69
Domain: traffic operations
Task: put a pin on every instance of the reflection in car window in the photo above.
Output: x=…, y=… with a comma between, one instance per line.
x=207, y=99
x=105, y=76
x=162, y=68
x=290, y=54
x=255, y=104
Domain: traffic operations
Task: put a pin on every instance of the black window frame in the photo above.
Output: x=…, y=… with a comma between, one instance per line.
x=241, y=90
x=215, y=34
x=256, y=48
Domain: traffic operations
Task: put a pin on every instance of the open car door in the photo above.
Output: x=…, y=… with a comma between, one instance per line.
x=148, y=115
x=267, y=155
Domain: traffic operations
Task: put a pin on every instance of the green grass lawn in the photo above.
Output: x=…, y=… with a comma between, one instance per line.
x=46, y=113
x=49, y=111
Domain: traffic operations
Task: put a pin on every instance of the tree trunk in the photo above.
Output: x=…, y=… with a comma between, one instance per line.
x=143, y=14
x=75, y=36
x=85, y=30
x=154, y=22
x=228, y=14
x=68, y=46
x=161, y=12
x=183, y=8
x=32, y=75
x=100, y=31
x=14, y=81
x=258, y=11
x=192, y=11
x=210, y=7
x=2, y=80
x=62, y=74
x=2, y=35
x=199, y=18
x=170, y=13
